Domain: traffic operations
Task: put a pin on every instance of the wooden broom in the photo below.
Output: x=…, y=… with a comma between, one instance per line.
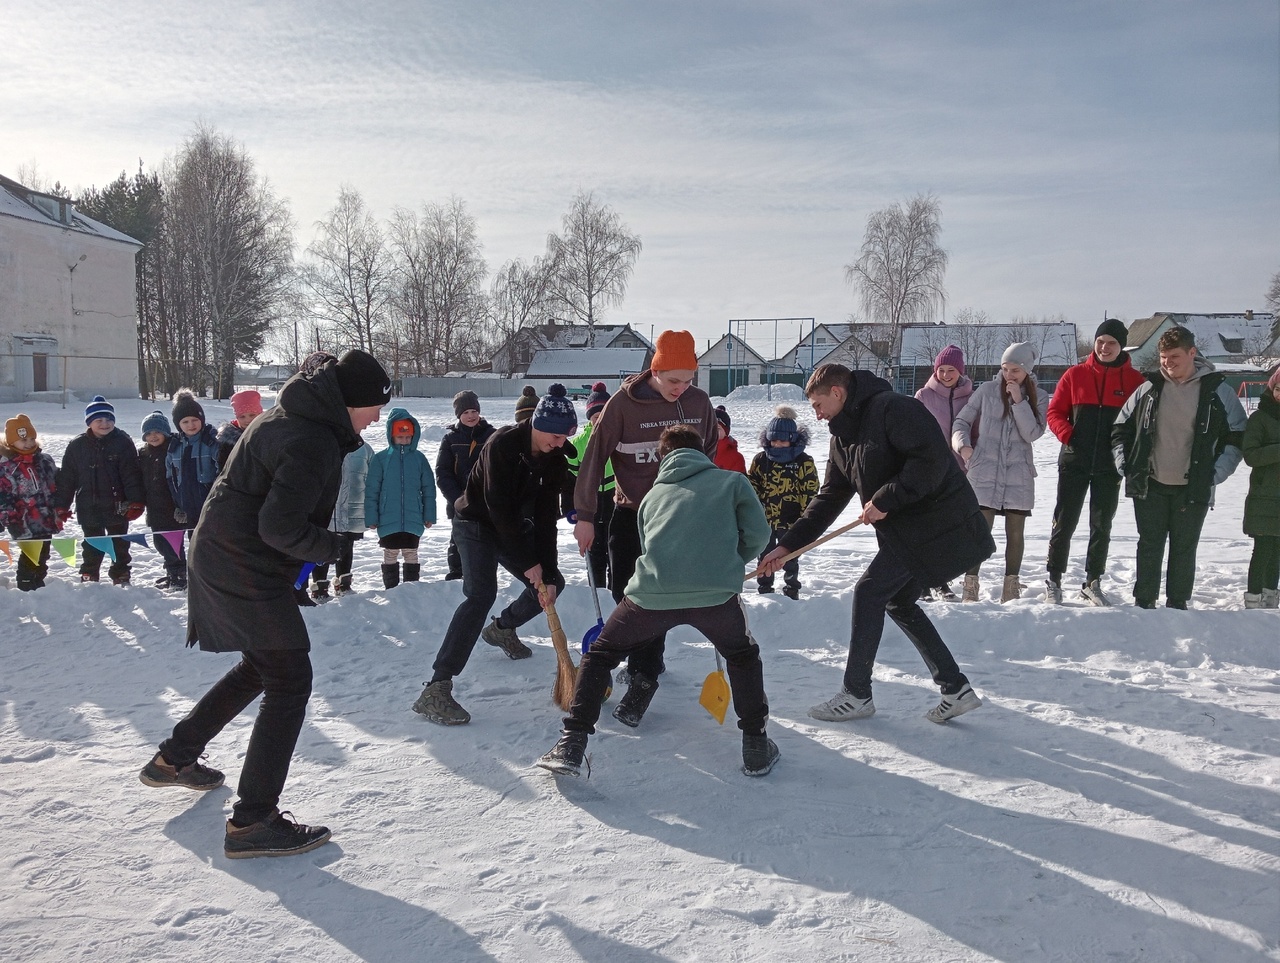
x=566, y=671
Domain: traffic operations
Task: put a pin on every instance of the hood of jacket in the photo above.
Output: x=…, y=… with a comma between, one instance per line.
x=681, y=464
x=863, y=386
x=401, y=414
x=314, y=394
x=936, y=386
x=637, y=388
x=229, y=433
x=1200, y=368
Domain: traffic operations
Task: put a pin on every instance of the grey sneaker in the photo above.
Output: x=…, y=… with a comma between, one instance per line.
x=438, y=705
x=1092, y=593
x=844, y=706
x=506, y=640
x=966, y=700
x=1052, y=591
x=759, y=754
x=1270, y=598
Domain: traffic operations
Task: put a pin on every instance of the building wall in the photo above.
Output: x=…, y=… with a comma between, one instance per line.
x=75, y=293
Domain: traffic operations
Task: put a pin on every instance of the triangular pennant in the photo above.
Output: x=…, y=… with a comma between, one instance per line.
x=4, y=547
x=174, y=539
x=104, y=544
x=31, y=549
x=66, y=547
x=137, y=538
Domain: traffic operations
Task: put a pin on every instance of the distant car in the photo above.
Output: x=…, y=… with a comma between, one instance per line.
x=579, y=393
x=275, y=386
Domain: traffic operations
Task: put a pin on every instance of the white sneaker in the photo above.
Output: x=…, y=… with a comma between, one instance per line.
x=1093, y=594
x=1252, y=600
x=951, y=706
x=843, y=707
x=1052, y=591
x=970, y=588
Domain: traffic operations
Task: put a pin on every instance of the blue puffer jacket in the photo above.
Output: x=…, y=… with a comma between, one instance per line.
x=400, y=492
x=201, y=452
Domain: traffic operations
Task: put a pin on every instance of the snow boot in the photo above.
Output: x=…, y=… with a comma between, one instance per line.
x=119, y=576
x=970, y=588
x=954, y=705
x=506, y=640
x=438, y=705
x=159, y=773
x=342, y=586
x=631, y=709
x=844, y=706
x=792, y=592
x=320, y=593
x=1012, y=589
x=1253, y=600
x=277, y=835
x=565, y=757
x=391, y=575
x=412, y=571
x=1271, y=598
x=759, y=754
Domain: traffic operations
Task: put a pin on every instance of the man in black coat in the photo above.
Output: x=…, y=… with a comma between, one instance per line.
x=459, y=452
x=887, y=450
x=100, y=471
x=267, y=510
x=506, y=517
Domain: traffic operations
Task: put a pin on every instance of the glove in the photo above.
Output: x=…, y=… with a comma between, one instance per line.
x=64, y=515
x=571, y=516
x=134, y=510
x=180, y=516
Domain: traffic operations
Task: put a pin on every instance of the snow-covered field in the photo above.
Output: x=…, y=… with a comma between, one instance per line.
x=1117, y=797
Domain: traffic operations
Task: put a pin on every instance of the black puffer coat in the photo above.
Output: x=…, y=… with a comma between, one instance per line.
x=886, y=448
x=102, y=474
x=160, y=507
x=267, y=510
x=458, y=454
x=1262, y=454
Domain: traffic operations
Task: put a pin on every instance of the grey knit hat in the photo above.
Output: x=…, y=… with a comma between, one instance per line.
x=465, y=401
x=1021, y=353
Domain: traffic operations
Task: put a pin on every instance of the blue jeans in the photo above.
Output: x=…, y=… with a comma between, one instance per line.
x=481, y=555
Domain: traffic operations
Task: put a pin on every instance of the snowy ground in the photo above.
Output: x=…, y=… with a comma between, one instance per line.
x=1116, y=798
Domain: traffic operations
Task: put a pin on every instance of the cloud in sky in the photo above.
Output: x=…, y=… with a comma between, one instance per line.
x=1088, y=156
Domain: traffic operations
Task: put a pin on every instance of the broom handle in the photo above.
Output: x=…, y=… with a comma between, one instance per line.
x=804, y=548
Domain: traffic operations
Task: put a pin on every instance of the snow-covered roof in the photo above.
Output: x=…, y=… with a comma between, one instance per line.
x=28, y=205
x=586, y=362
x=983, y=344
x=730, y=345
x=1209, y=330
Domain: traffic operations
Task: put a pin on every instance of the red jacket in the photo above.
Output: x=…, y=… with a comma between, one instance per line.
x=1084, y=407
x=728, y=457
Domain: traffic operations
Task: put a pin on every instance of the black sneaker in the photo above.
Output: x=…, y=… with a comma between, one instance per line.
x=792, y=592
x=195, y=776
x=633, y=705
x=565, y=757
x=277, y=835
x=759, y=754
x=453, y=576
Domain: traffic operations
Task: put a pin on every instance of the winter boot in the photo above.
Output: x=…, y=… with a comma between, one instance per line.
x=954, y=705
x=412, y=570
x=89, y=576
x=1012, y=589
x=630, y=710
x=759, y=754
x=1053, y=591
x=506, y=640
x=1271, y=598
x=320, y=592
x=1253, y=600
x=943, y=593
x=277, y=835
x=565, y=757
x=163, y=583
x=970, y=588
x=159, y=773
x=764, y=586
x=844, y=706
x=342, y=586
x=792, y=591
x=452, y=576
x=119, y=575
x=303, y=599
x=438, y=705
x=391, y=575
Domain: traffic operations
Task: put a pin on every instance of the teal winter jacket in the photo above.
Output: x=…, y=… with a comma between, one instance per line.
x=400, y=491
x=699, y=527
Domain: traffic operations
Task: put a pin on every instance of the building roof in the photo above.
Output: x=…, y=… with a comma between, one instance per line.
x=587, y=362
x=1211, y=331
x=739, y=348
x=52, y=211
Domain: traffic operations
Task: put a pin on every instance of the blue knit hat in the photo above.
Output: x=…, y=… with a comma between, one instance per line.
x=156, y=421
x=782, y=427
x=555, y=413
x=99, y=407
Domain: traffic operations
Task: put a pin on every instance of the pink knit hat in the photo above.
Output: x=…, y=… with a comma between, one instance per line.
x=950, y=355
x=1274, y=380
x=247, y=402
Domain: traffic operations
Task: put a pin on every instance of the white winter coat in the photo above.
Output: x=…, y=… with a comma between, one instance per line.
x=1002, y=470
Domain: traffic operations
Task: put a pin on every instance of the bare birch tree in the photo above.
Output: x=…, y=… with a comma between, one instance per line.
x=594, y=257
x=349, y=270
x=521, y=296
x=899, y=271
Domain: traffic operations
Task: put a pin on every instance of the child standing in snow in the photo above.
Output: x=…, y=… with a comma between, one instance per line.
x=1261, y=446
x=26, y=497
x=348, y=522
x=785, y=479
x=727, y=455
x=400, y=497
x=458, y=454
x=247, y=405
x=192, y=463
x=152, y=459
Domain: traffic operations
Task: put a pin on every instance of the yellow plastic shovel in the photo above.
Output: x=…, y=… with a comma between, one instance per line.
x=715, y=693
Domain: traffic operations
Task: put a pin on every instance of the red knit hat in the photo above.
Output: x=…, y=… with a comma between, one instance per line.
x=675, y=352
x=402, y=427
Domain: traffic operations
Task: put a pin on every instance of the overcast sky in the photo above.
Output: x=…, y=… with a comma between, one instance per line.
x=1089, y=157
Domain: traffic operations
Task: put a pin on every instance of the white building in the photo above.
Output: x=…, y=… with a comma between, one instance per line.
x=68, y=314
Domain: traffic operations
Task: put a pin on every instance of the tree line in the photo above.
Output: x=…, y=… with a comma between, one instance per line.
x=218, y=279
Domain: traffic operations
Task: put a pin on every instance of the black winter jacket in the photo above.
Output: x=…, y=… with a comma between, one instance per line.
x=1262, y=453
x=458, y=454
x=266, y=513
x=160, y=507
x=886, y=448
x=103, y=476
x=520, y=497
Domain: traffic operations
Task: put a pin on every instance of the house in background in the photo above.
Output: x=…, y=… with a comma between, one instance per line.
x=1244, y=337
x=983, y=344
x=729, y=363
x=68, y=309
x=515, y=356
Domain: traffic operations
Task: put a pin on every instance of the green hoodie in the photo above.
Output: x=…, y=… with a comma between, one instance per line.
x=699, y=526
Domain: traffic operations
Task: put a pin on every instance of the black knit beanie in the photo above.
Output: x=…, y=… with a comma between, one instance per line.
x=1113, y=328
x=186, y=406
x=363, y=381
x=465, y=401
